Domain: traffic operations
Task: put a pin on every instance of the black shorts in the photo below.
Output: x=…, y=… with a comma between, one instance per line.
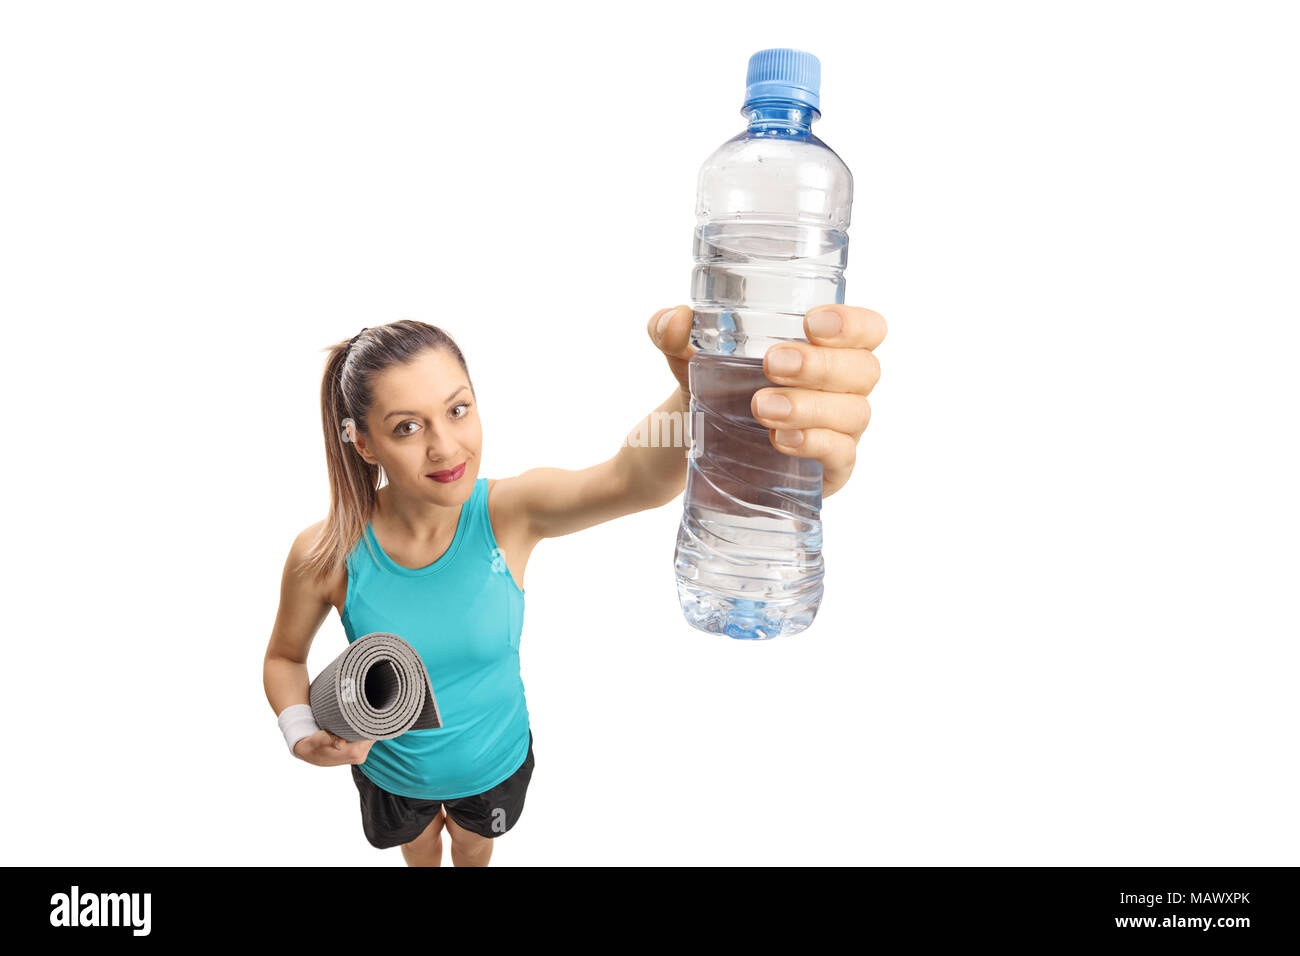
x=390, y=820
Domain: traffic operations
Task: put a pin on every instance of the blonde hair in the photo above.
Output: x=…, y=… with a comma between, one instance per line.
x=347, y=392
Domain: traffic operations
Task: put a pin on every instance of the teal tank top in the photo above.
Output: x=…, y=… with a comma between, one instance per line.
x=463, y=614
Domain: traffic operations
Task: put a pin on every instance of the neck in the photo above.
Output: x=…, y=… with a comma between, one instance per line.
x=780, y=117
x=421, y=521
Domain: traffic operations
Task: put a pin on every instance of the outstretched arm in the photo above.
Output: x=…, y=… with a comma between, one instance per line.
x=821, y=414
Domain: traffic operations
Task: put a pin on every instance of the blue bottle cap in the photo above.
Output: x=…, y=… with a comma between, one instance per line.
x=784, y=73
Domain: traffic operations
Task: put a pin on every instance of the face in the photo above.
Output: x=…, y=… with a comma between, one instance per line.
x=424, y=420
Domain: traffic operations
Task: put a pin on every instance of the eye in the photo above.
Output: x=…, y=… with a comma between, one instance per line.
x=464, y=405
x=402, y=434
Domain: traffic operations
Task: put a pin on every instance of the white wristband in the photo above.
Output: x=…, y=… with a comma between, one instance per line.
x=297, y=722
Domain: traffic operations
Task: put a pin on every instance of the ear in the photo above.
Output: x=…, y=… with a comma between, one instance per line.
x=359, y=443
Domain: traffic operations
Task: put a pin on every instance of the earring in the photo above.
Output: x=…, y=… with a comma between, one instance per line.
x=349, y=433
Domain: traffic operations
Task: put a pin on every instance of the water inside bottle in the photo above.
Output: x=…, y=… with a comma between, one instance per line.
x=755, y=279
x=748, y=556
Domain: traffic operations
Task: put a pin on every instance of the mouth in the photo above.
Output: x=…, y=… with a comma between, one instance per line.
x=452, y=474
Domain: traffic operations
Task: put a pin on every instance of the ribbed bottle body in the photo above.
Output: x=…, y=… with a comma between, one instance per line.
x=771, y=242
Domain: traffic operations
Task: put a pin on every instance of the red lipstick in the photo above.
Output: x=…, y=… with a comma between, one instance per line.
x=454, y=474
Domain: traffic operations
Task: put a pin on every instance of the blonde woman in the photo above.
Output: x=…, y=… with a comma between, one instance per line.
x=437, y=554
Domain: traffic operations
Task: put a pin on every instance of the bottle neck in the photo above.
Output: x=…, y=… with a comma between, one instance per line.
x=780, y=116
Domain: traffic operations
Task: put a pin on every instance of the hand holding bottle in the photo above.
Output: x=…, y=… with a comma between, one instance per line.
x=821, y=410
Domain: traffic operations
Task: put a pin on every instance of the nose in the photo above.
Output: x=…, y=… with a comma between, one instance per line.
x=441, y=449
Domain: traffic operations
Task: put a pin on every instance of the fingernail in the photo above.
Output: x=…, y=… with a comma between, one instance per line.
x=790, y=437
x=663, y=323
x=784, y=361
x=825, y=324
x=773, y=405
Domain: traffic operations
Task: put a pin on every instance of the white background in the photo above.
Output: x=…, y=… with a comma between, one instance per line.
x=1060, y=620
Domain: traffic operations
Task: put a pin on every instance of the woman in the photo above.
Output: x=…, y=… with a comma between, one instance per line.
x=437, y=554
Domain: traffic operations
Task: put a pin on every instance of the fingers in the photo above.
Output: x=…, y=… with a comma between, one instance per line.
x=343, y=751
x=670, y=329
x=837, y=452
x=832, y=369
x=805, y=408
x=844, y=326
x=837, y=356
x=824, y=411
x=328, y=749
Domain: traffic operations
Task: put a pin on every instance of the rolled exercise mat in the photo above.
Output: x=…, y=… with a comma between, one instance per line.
x=377, y=689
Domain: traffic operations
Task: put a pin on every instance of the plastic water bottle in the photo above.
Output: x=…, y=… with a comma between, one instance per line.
x=771, y=242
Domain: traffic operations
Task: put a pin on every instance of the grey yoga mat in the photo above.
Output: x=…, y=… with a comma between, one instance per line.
x=377, y=689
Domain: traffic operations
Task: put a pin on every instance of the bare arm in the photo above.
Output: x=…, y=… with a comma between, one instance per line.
x=304, y=604
x=551, y=502
x=303, y=608
x=656, y=469
x=821, y=413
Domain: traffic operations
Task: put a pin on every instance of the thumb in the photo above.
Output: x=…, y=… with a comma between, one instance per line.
x=670, y=330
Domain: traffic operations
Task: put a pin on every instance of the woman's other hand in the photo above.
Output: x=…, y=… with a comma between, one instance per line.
x=324, y=749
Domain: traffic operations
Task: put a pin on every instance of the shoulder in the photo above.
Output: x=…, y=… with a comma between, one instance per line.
x=305, y=539
x=302, y=544
x=507, y=508
x=494, y=501
x=501, y=497
x=299, y=577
